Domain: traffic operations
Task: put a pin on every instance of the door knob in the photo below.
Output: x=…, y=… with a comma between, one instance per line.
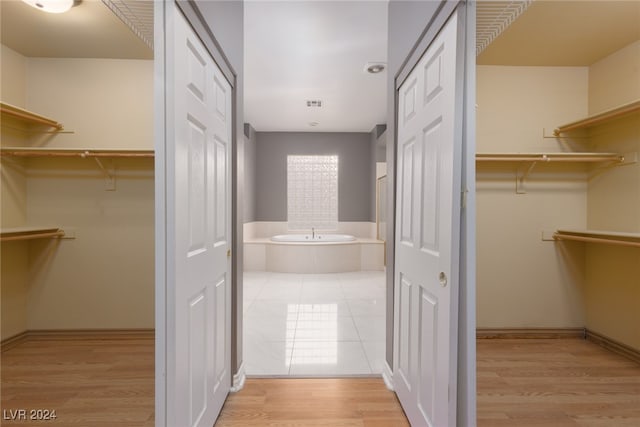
x=443, y=279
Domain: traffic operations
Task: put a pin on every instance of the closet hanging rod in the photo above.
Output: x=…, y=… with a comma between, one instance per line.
x=561, y=236
x=550, y=158
x=79, y=153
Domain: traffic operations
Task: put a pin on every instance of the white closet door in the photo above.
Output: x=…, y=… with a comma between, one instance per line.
x=198, y=214
x=427, y=236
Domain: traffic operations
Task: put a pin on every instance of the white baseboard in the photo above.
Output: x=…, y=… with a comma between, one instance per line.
x=387, y=376
x=238, y=380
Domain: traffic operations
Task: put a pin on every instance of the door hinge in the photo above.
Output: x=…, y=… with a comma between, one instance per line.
x=463, y=198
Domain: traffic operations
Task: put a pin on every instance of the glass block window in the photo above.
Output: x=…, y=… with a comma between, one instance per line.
x=312, y=192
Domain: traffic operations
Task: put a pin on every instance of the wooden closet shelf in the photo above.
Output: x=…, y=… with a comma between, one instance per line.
x=29, y=233
x=48, y=152
x=603, y=117
x=549, y=157
x=28, y=117
x=599, y=236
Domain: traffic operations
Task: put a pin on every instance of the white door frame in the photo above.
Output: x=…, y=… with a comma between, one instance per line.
x=162, y=74
x=466, y=384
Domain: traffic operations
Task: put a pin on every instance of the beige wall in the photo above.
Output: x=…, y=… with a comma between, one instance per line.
x=13, y=201
x=13, y=196
x=523, y=281
x=614, y=80
x=103, y=278
x=14, y=279
x=13, y=72
x=612, y=292
x=515, y=104
x=14, y=269
x=107, y=103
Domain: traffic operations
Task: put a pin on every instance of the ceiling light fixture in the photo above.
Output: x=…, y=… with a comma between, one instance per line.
x=51, y=6
x=375, y=67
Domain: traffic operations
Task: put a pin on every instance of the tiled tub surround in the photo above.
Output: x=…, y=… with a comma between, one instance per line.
x=314, y=324
x=262, y=254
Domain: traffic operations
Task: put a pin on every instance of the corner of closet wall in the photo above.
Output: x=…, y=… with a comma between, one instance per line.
x=13, y=180
x=14, y=267
x=612, y=272
x=524, y=281
x=13, y=76
x=613, y=80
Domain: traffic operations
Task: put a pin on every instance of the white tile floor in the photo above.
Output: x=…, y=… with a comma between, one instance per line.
x=314, y=324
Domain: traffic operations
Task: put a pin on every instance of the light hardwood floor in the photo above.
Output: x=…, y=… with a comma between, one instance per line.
x=88, y=382
x=353, y=402
x=555, y=382
x=521, y=383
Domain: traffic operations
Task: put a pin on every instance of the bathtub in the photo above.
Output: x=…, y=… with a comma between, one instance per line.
x=301, y=253
x=309, y=238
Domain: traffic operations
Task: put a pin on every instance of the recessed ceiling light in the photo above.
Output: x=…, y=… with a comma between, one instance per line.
x=375, y=67
x=51, y=6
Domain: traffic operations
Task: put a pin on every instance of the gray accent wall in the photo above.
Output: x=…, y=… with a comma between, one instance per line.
x=355, y=188
x=378, y=141
x=380, y=147
x=249, y=173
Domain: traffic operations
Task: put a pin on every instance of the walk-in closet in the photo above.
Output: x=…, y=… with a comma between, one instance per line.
x=77, y=245
x=558, y=173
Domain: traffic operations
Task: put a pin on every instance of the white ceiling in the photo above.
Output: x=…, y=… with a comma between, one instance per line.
x=306, y=50
x=88, y=30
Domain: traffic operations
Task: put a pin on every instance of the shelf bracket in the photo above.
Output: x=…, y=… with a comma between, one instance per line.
x=558, y=135
x=521, y=177
x=626, y=159
x=109, y=173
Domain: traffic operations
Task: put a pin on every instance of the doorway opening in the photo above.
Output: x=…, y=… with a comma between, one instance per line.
x=314, y=285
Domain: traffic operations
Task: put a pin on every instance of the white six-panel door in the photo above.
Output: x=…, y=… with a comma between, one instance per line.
x=427, y=236
x=198, y=187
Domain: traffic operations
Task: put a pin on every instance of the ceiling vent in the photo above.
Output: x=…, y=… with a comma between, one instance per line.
x=314, y=103
x=493, y=17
